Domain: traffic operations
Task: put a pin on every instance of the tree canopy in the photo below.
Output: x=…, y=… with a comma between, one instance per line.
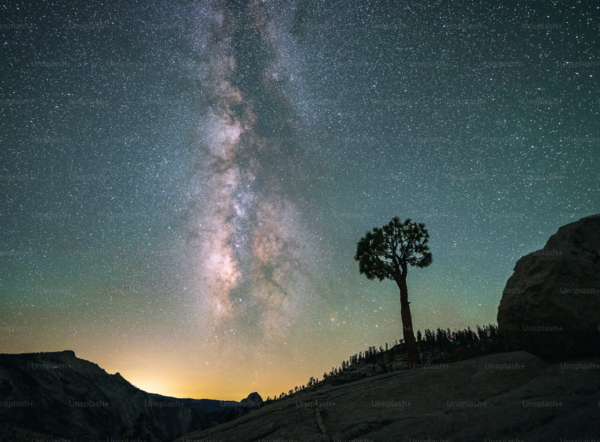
x=386, y=251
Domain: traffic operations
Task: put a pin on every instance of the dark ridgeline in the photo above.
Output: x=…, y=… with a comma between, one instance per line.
x=435, y=347
x=57, y=396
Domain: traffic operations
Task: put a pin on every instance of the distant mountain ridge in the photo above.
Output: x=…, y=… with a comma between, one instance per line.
x=57, y=395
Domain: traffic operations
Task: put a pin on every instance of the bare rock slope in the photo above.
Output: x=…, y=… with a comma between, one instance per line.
x=510, y=395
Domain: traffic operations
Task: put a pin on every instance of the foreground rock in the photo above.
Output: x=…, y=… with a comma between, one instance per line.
x=551, y=304
x=56, y=396
x=509, y=395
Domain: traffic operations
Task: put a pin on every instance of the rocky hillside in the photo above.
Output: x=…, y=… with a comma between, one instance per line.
x=59, y=396
x=509, y=396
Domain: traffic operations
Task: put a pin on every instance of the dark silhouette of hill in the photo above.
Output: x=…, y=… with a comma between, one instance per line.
x=57, y=396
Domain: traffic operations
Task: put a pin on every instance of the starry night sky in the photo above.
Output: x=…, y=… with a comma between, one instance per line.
x=183, y=184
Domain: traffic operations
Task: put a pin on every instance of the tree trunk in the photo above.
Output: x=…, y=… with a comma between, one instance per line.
x=412, y=351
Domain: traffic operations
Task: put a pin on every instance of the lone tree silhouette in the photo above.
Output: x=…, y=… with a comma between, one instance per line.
x=386, y=253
